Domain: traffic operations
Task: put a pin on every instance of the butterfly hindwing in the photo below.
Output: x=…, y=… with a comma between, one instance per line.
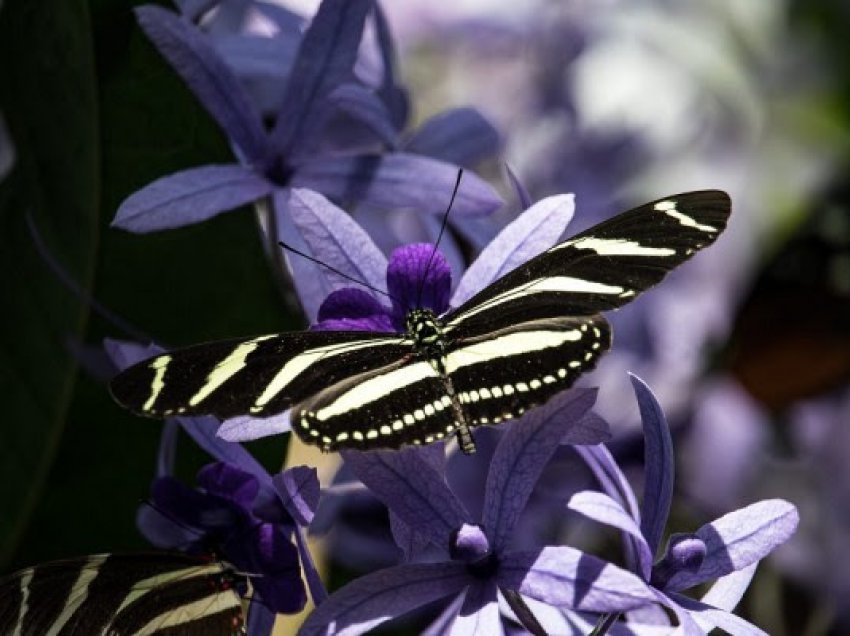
x=123, y=595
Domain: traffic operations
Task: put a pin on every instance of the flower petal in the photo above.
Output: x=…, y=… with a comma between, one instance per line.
x=190, y=196
x=378, y=597
x=658, y=463
x=610, y=477
x=397, y=180
x=461, y=136
x=591, y=429
x=708, y=618
x=325, y=58
x=568, y=578
x=411, y=488
x=335, y=239
x=602, y=509
x=298, y=489
x=444, y=621
x=728, y=590
x=245, y=428
x=215, y=86
x=418, y=276
x=479, y=615
x=229, y=482
x=364, y=106
x=533, y=232
x=739, y=539
x=521, y=456
x=410, y=542
x=392, y=93
x=314, y=580
x=522, y=194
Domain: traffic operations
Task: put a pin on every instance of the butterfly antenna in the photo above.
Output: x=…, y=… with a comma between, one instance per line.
x=439, y=237
x=294, y=250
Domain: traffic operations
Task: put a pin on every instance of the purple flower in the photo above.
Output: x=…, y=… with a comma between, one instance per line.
x=728, y=548
x=477, y=560
x=319, y=85
x=239, y=511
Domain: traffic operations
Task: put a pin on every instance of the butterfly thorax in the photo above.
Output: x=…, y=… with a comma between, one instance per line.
x=426, y=331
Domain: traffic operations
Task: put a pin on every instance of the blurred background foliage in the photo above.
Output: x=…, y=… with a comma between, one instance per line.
x=94, y=113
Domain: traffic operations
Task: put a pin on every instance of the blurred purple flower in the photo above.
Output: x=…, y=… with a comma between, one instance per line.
x=240, y=512
x=477, y=560
x=320, y=84
x=727, y=549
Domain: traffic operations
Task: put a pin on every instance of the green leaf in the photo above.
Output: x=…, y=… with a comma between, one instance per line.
x=49, y=100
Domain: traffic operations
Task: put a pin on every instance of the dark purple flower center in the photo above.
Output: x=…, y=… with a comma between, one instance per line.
x=470, y=545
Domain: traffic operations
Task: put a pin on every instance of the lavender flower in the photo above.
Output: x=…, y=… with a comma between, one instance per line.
x=727, y=549
x=477, y=560
x=289, y=155
x=240, y=512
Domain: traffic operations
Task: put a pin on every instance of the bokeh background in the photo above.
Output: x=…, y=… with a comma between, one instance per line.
x=748, y=348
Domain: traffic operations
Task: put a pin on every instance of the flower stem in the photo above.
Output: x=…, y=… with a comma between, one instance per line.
x=604, y=624
x=525, y=616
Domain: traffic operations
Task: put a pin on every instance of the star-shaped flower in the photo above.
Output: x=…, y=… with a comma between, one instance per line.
x=477, y=560
x=728, y=548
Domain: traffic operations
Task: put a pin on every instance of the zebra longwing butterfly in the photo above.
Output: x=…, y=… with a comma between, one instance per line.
x=123, y=595
x=512, y=346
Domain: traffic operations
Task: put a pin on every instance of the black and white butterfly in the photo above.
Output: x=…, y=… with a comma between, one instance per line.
x=123, y=595
x=511, y=347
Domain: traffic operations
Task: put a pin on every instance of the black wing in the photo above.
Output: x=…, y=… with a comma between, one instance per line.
x=122, y=595
x=608, y=265
x=259, y=376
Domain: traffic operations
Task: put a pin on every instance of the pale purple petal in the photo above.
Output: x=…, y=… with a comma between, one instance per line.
x=378, y=597
x=364, y=106
x=659, y=465
x=708, y=618
x=591, y=429
x=522, y=194
x=215, y=86
x=325, y=58
x=444, y=621
x=552, y=619
x=728, y=590
x=398, y=181
x=167, y=452
x=314, y=580
x=687, y=625
x=411, y=488
x=461, y=136
x=410, y=542
x=262, y=64
x=125, y=354
x=611, y=479
x=568, y=578
x=479, y=615
x=335, y=238
x=260, y=619
x=601, y=508
x=521, y=456
x=534, y=231
x=392, y=93
x=244, y=428
x=739, y=539
x=190, y=196
x=298, y=489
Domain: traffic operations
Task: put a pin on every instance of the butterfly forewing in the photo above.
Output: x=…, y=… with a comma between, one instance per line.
x=611, y=263
x=260, y=376
x=122, y=595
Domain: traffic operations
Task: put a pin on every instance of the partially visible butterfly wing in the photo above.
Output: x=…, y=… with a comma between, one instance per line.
x=403, y=403
x=611, y=263
x=259, y=376
x=122, y=595
x=502, y=366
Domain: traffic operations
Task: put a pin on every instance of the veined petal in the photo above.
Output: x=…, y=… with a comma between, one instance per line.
x=610, y=477
x=393, y=94
x=410, y=487
x=568, y=578
x=739, y=539
x=462, y=136
x=658, y=463
x=728, y=590
x=708, y=618
x=190, y=196
x=363, y=105
x=521, y=456
x=591, y=429
x=298, y=489
x=335, y=238
x=245, y=428
x=602, y=509
x=215, y=86
x=398, y=181
x=533, y=232
x=325, y=58
x=378, y=597
x=479, y=615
